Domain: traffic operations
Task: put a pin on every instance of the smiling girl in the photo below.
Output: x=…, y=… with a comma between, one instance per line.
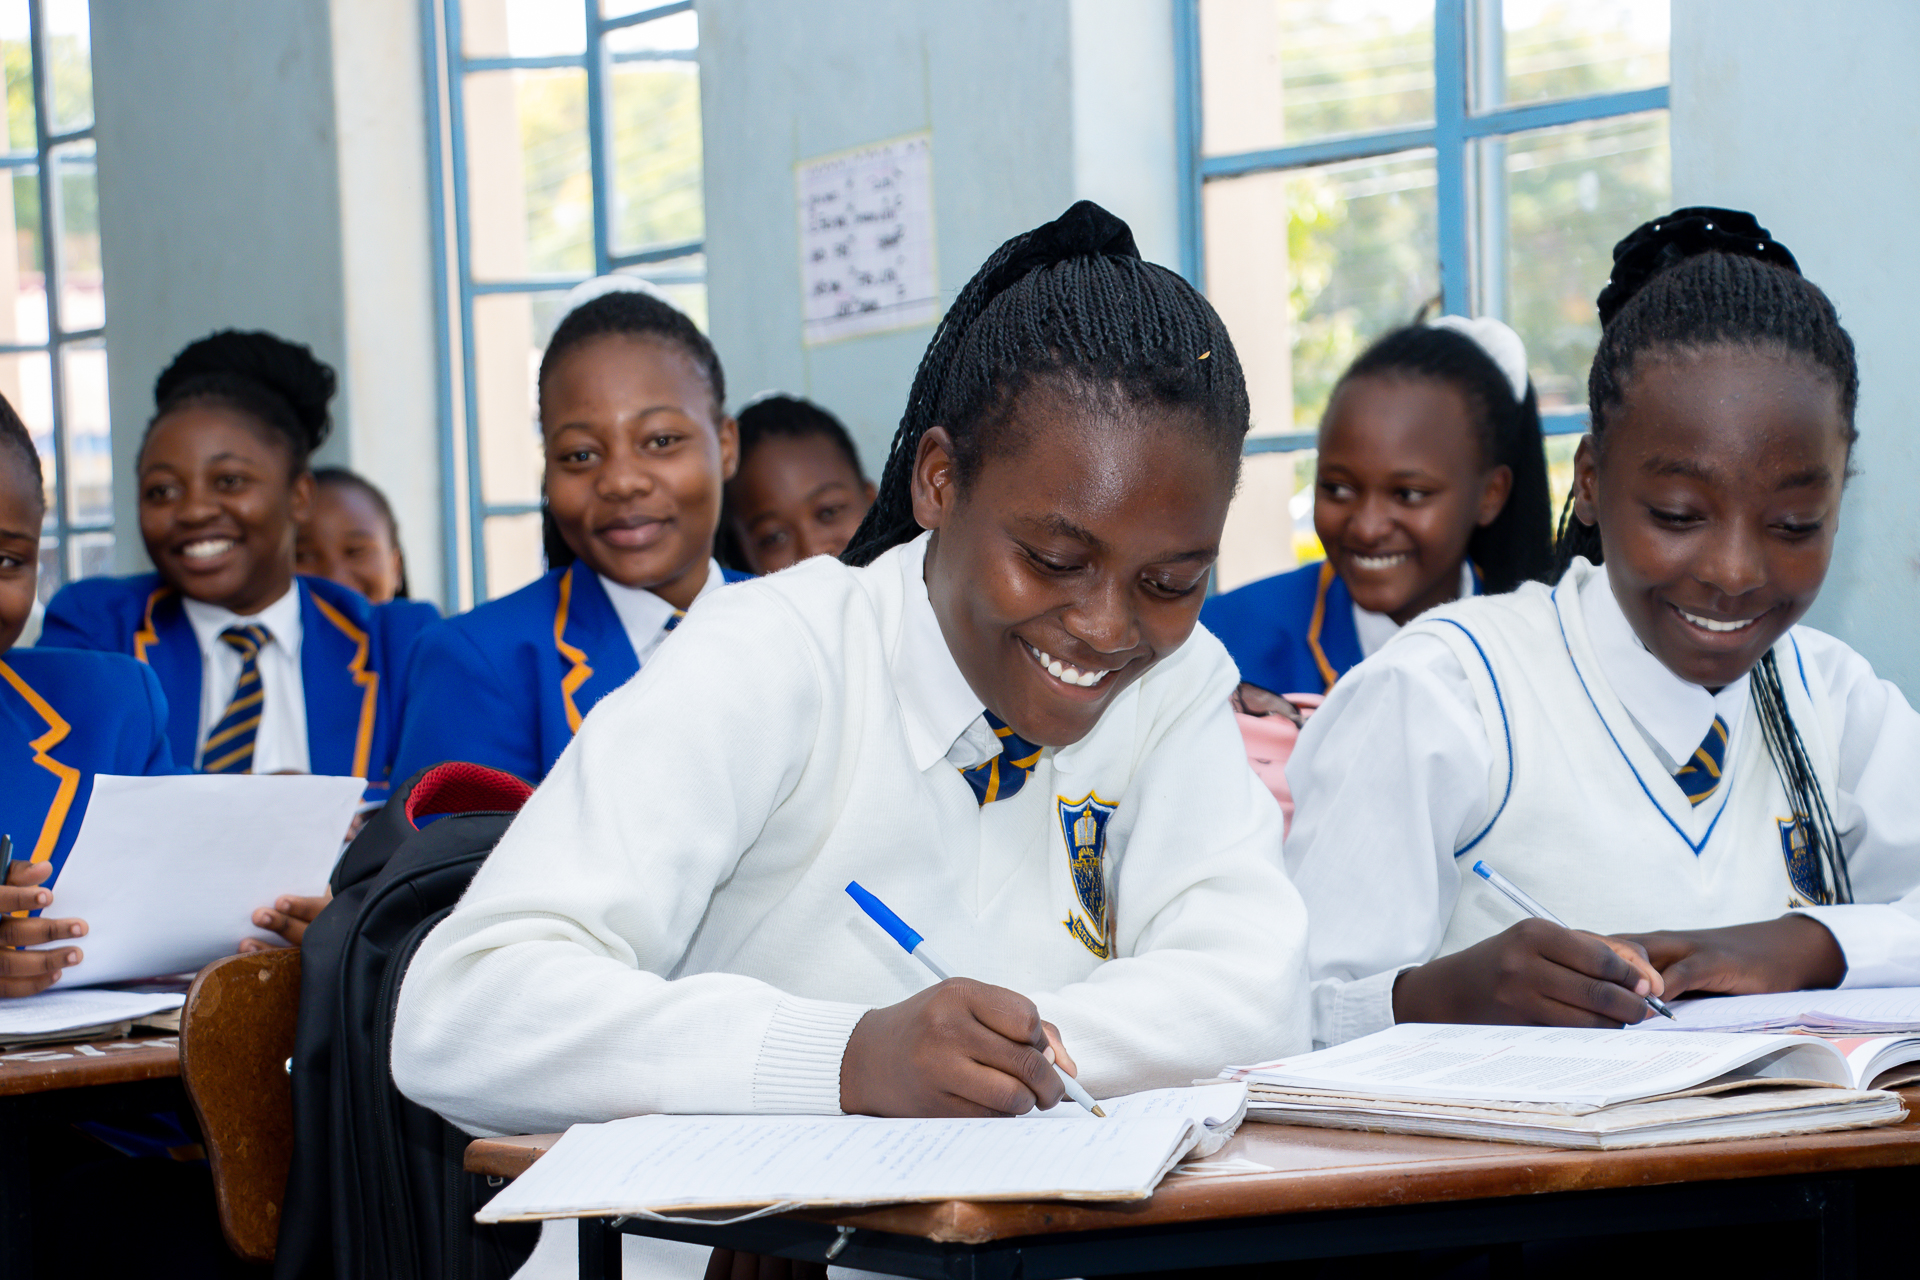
x=264, y=671
x=637, y=448
x=1651, y=744
x=997, y=715
x=799, y=491
x=1430, y=485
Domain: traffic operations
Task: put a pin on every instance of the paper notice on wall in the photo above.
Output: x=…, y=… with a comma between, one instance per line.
x=866, y=240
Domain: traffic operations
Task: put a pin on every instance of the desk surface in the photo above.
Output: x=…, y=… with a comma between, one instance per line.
x=1326, y=1169
x=42, y=1068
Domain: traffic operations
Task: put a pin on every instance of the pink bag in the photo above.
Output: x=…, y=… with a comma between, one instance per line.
x=1269, y=739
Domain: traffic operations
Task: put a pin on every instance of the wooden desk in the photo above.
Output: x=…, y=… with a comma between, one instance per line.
x=1333, y=1193
x=49, y=1085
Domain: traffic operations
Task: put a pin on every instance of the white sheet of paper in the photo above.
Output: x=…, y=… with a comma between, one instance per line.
x=167, y=872
x=1855, y=1009
x=63, y=1010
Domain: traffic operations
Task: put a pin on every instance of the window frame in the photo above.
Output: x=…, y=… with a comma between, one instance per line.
x=463, y=495
x=59, y=527
x=1472, y=231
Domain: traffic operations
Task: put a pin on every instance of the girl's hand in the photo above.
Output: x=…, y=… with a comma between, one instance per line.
x=22, y=973
x=289, y=917
x=1534, y=974
x=961, y=1048
x=1793, y=953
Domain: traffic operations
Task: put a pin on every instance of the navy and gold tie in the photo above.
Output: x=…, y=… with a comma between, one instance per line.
x=229, y=747
x=1007, y=772
x=674, y=620
x=1700, y=776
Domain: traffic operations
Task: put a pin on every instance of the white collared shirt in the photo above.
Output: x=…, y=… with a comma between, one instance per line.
x=944, y=717
x=280, y=743
x=1375, y=629
x=1406, y=724
x=643, y=615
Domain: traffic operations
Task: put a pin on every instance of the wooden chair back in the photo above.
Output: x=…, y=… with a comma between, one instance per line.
x=236, y=1035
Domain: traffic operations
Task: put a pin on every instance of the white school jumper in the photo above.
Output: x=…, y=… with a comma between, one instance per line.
x=666, y=928
x=1532, y=730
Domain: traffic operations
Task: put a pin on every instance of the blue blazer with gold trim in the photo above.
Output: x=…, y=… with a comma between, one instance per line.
x=64, y=717
x=508, y=683
x=353, y=656
x=1291, y=633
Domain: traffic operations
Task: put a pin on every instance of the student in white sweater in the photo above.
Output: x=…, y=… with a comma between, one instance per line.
x=1652, y=745
x=1008, y=728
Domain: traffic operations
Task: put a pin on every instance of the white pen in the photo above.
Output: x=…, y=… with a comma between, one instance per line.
x=1523, y=900
x=916, y=946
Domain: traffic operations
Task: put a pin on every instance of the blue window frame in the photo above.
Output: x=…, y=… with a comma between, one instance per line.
x=554, y=119
x=1463, y=141
x=53, y=364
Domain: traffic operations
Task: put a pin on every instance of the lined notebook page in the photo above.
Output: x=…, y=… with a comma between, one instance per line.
x=679, y=1163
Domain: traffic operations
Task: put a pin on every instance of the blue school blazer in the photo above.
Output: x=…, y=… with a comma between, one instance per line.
x=508, y=683
x=353, y=656
x=64, y=717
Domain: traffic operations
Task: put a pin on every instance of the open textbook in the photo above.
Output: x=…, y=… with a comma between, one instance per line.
x=87, y=1013
x=654, y=1165
x=167, y=872
x=1568, y=1087
x=1876, y=1028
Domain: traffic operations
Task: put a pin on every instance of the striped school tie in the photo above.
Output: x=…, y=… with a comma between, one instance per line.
x=1007, y=772
x=1700, y=776
x=229, y=748
x=673, y=621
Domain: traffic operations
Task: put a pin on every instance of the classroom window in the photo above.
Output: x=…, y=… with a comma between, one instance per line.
x=566, y=144
x=53, y=357
x=1350, y=164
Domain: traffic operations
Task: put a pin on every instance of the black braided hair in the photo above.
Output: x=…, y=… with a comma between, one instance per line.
x=1698, y=278
x=785, y=417
x=16, y=440
x=1518, y=545
x=1070, y=302
x=341, y=478
x=634, y=315
x=279, y=384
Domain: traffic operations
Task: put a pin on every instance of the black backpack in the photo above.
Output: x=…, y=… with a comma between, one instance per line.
x=376, y=1187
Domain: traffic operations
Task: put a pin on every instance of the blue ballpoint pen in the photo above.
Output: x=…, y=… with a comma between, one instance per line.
x=1523, y=900
x=916, y=946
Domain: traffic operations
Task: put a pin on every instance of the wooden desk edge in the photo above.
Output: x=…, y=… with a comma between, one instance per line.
x=34, y=1069
x=1476, y=1173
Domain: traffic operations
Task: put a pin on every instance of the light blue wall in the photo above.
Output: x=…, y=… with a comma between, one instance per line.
x=1031, y=104
x=1809, y=115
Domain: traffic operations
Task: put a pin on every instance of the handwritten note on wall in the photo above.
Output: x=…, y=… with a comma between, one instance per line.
x=866, y=240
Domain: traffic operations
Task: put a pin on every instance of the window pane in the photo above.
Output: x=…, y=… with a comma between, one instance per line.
x=69, y=64
x=82, y=303
x=1560, y=450
x=678, y=33
x=18, y=57
x=1307, y=266
x=506, y=360
x=28, y=387
x=1270, y=524
x=23, y=286
x=90, y=554
x=51, y=578
x=1572, y=193
x=514, y=556
x=522, y=28
x=656, y=153
x=1561, y=49
x=1279, y=72
x=83, y=365
x=529, y=193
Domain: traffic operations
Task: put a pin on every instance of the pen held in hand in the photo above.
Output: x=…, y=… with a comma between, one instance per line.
x=1525, y=901
x=916, y=946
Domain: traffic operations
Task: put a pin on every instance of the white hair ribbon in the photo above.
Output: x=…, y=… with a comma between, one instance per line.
x=1501, y=343
x=600, y=286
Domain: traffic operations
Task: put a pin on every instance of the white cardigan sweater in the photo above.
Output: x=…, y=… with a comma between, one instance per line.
x=665, y=927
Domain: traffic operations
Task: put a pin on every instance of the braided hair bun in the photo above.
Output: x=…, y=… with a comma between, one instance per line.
x=281, y=383
x=1654, y=246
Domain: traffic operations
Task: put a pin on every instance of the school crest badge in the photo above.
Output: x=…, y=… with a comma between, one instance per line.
x=1083, y=823
x=1797, y=850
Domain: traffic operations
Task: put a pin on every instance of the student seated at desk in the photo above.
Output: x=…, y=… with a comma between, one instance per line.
x=799, y=492
x=64, y=716
x=1001, y=720
x=1430, y=485
x=1650, y=748
x=351, y=537
x=638, y=447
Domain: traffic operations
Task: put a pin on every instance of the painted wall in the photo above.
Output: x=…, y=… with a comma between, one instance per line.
x=241, y=186
x=1031, y=103
x=1809, y=115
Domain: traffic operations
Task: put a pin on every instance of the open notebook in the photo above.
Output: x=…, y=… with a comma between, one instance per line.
x=1562, y=1086
x=654, y=1165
